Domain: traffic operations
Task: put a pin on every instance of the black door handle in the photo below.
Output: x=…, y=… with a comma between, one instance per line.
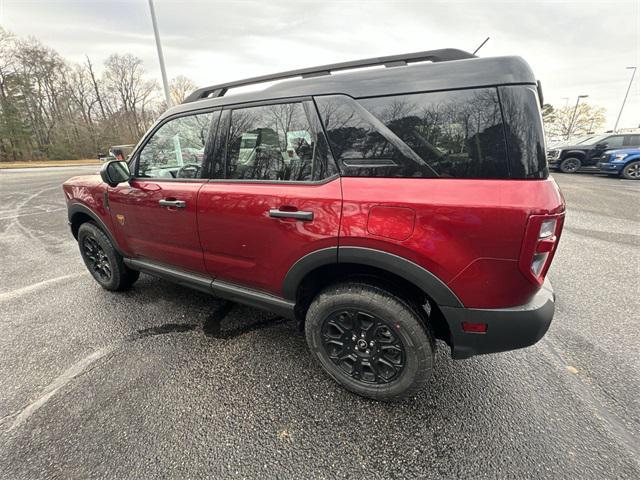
x=173, y=203
x=297, y=215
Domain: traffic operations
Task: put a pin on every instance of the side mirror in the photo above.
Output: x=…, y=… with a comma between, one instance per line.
x=115, y=172
x=601, y=146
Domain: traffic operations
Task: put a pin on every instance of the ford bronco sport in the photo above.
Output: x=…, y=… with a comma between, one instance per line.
x=380, y=208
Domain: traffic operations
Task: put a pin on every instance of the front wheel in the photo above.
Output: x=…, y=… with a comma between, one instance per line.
x=631, y=171
x=570, y=165
x=102, y=259
x=370, y=341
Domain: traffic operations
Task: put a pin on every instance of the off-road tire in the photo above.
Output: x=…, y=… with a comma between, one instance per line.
x=404, y=319
x=102, y=260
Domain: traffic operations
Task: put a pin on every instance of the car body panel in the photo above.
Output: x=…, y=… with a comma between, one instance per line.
x=471, y=242
x=612, y=165
x=149, y=230
x=243, y=244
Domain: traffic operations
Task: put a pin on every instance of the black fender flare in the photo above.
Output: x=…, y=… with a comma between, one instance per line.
x=410, y=271
x=579, y=154
x=77, y=208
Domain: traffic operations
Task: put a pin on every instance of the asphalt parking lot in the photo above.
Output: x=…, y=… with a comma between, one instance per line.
x=162, y=381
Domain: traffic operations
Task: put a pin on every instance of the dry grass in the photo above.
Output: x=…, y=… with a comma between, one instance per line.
x=49, y=163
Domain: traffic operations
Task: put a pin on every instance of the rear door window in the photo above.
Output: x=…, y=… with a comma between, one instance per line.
x=631, y=141
x=277, y=142
x=456, y=134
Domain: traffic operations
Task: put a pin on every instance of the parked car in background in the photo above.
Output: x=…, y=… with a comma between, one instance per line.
x=351, y=204
x=625, y=163
x=585, y=155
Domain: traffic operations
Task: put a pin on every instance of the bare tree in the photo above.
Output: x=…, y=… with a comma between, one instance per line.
x=130, y=92
x=588, y=119
x=180, y=87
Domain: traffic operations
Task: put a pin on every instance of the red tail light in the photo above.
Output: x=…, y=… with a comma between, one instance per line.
x=540, y=244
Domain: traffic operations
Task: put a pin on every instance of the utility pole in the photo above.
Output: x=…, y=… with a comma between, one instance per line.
x=575, y=110
x=615, y=127
x=163, y=71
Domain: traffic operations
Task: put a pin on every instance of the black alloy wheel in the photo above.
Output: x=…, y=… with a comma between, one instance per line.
x=98, y=262
x=370, y=339
x=631, y=171
x=570, y=165
x=363, y=346
x=103, y=261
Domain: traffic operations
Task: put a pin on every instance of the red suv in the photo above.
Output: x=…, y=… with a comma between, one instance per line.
x=381, y=208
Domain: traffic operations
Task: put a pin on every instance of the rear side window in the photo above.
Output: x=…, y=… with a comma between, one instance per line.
x=455, y=134
x=631, y=141
x=523, y=132
x=276, y=142
x=614, y=142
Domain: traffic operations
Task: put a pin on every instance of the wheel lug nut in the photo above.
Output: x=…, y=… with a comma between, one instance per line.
x=354, y=337
x=371, y=343
x=367, y=352
x=362, y=334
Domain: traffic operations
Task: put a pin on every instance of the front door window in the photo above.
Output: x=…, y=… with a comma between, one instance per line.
x=177, y=148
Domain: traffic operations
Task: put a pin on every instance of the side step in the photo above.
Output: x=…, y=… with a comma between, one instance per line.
x=202, y=283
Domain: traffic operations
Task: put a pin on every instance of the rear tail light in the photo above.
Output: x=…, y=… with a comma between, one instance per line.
x=540, y=243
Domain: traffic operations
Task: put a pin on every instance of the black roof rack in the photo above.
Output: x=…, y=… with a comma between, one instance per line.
x=442, y=55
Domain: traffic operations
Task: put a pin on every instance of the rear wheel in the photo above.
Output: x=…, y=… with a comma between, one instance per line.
x=570, y=165
x=102, y=260
x=631, y=171
x=370, y=341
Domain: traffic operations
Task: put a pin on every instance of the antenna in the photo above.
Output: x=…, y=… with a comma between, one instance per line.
x=481, y=45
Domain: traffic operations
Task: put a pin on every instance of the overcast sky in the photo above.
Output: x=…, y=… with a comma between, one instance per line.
x=579, y=47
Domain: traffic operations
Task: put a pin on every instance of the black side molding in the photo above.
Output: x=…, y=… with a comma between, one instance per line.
x=203, y=283
x=175, y=275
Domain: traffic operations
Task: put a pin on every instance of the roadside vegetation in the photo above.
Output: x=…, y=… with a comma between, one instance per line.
x=570, y=121
x=53, y=109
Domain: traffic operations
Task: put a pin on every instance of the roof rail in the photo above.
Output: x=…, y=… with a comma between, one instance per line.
x=442, y=55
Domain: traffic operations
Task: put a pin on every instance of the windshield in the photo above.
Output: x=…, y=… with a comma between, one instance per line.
x=592, y=140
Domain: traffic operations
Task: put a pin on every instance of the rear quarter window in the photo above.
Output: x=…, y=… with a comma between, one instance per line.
x=524, y=132
x=457, y=134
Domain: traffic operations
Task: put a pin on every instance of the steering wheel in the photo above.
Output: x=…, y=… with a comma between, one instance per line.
x=190, y=170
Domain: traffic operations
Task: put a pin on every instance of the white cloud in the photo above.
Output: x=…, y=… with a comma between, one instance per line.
x=578, y=47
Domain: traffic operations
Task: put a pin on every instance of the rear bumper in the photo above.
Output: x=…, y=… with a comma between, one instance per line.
x=507, y=328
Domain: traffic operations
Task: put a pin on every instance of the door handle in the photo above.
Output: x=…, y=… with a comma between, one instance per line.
x=173, y=203
x=297, y=215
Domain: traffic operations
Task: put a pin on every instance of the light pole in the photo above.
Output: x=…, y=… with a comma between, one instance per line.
x=615, y=127
x=165, y=83
x=573, y=117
